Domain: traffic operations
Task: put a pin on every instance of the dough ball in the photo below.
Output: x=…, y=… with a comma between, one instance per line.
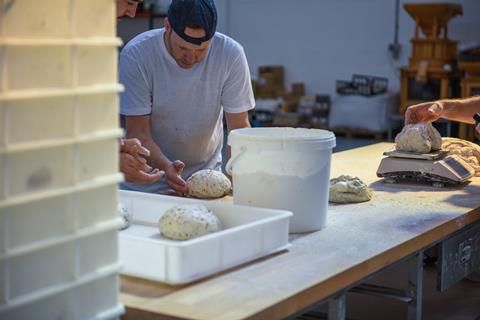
x=466, y=150
x=419, y=138
x=184, y=222
x=208, y=184
x=348, y=189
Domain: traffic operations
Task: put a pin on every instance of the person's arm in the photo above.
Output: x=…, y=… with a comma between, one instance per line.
x=460, y=110
x=136, y=106
x=139, y=127
x=236, y=121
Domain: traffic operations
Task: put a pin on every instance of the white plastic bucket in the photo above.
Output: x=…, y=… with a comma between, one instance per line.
x=283, y=168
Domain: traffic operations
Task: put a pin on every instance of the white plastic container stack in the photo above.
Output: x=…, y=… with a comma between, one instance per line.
x=58, y=160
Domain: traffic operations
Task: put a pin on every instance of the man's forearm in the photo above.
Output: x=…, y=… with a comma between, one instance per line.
x=461, y=110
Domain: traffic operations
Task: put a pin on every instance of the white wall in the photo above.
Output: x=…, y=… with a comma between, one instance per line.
x=320, y=41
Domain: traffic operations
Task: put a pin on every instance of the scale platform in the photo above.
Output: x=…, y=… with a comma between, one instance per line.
x=436, y=168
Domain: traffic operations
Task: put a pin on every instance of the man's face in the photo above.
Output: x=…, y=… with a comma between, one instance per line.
x=127, y=8
x=186, y=54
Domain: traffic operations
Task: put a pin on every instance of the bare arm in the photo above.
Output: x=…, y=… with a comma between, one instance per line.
x=236, y=121
x=139, y=127
x=460, y=110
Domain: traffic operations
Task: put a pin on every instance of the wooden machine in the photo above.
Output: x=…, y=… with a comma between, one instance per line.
x=432, y=70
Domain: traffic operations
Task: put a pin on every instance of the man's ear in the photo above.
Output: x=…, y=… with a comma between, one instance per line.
x=166, y=24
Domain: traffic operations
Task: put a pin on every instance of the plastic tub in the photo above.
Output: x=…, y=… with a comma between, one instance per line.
x=29, y=67
x=283, y=168
x=97, y=158
x=54, y=218
x=36, y=170
x=32, y=272
x=95, y=300
x=96, y=65
x=97, y=112
x=32, y=120
x=94, y=18
x=27, y=18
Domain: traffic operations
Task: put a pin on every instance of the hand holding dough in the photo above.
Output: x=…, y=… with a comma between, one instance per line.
x=348, y=189
x=184, y=222
x=419, y=138
x=208, y=184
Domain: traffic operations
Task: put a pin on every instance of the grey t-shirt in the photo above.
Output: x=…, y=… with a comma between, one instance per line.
x=185, y=105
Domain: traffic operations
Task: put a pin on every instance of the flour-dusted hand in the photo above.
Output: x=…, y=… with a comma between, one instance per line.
x=136, y=170
x=133, y=146
x=424, y=112
x=173, y=171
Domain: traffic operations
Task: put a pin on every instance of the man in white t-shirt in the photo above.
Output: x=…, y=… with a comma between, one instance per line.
x=179, y=81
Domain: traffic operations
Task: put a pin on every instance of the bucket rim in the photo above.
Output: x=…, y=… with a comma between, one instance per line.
x=242, y=134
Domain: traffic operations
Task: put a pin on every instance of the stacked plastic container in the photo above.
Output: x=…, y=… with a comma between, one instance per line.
x=58, y=160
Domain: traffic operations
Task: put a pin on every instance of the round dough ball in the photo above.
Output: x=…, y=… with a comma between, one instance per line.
x=419, y=138
x=348, y=189
x=188, y=221
x=208, y=184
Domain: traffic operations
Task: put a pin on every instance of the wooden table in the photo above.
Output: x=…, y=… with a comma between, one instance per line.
x=359, y=240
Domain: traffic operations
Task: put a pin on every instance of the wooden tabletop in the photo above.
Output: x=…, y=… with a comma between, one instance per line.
x=359, y=239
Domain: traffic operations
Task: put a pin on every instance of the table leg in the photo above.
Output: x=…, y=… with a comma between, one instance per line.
x=415, y=286
x=337, y=306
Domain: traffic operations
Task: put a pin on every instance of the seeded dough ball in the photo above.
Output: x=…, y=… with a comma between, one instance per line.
x=348, y=189
x=188, y=221
x=208, y=184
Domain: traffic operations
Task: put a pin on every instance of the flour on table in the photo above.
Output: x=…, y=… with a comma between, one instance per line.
x=208, y=184
x=348, y=189
x=419, y=138
x=466, y=150
x=184, y=222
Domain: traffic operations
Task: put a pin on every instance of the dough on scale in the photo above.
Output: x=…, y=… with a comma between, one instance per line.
x=466, y=150
x=188, y=221
x=348, y=189
x=208, y=184
x=419, y=138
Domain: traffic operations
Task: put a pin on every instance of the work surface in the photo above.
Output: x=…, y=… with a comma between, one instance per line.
x=359, y=239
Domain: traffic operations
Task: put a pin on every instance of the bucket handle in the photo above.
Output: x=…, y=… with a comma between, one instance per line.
x=232, y=160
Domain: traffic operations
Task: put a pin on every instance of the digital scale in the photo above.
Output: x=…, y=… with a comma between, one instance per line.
x=436, y=168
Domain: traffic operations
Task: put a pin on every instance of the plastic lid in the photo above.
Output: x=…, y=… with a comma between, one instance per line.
x=285, y=135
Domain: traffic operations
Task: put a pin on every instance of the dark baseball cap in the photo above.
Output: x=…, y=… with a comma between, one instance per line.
x=188, y=13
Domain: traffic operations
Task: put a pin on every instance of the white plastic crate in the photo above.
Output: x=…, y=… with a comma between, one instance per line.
x=34, y=222
x=96, y=252
x=97, y=112
x=94, y=18
x=35, y=67
x=94, y=300
x=97, y=158
x=52, y=219
x=96, y=65
x=247, y=233
x=54, y=118
x=29, y=120
x=37, y=272
x=27, y=18
x=37, y=170
x=53, y=19
x=92, y=208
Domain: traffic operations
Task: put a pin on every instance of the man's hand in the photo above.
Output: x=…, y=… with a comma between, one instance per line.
x=136, y=169
x=173, y=176
x=133, y=146
x=424, y=112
